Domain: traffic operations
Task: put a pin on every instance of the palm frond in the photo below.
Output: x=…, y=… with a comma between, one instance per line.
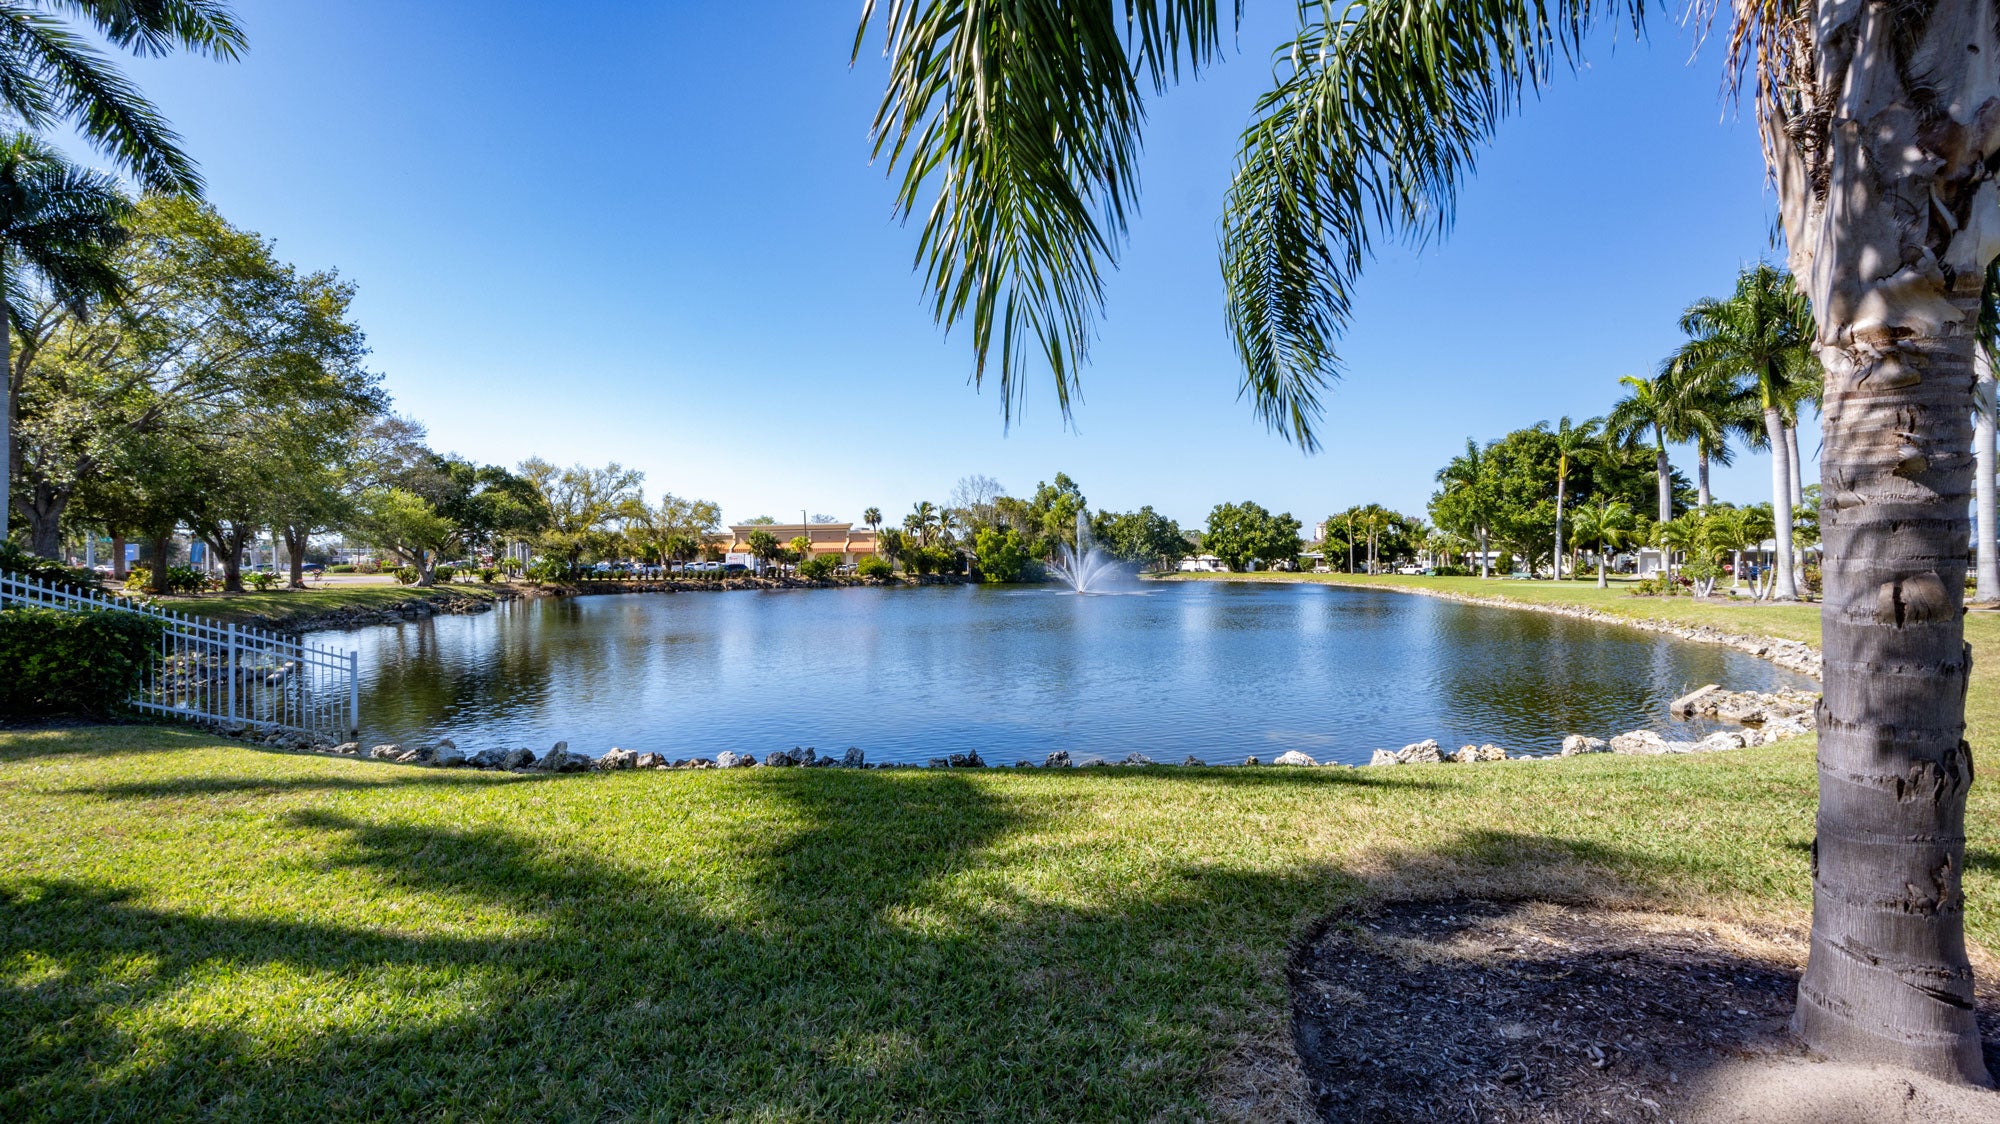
x=50, y=72
x=1377, y=115
x=1021, y=123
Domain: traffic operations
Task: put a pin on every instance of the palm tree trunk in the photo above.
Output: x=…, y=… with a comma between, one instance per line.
x=117, y=556
x=1786, y=588
x=1985, y=521
x=6, y=405
x=1601, y=583
x=1663, y=474
x=1792, y=454
x=1556, y=559
x=1888, y=979
x=1483, y=554
x=1701, y=476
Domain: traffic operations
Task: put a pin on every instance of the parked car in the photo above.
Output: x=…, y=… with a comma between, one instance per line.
x=735, y=568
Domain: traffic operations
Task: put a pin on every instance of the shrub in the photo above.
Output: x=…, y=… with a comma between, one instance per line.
x=1002, y=556
x=15, y=560
x=341, y=568
x=180, y=579
x=261, y=579
x=445, y=574
x=488, y=574
x=820, y=567
x=368, y=566
x=547, y=570
x=73, y=663
x=874, y=566
x=406, y=575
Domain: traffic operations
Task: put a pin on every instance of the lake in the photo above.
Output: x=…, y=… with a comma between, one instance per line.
x=1216, y=670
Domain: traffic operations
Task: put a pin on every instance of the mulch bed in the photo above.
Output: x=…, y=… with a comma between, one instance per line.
x=1473, y=1010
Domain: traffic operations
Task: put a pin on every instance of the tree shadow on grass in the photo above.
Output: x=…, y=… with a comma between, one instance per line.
x=863, y=945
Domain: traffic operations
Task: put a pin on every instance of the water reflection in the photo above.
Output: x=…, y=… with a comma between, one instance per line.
x=1214, y=670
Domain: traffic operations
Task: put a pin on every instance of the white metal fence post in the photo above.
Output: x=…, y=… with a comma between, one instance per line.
x=229, y=672
x=354, y=694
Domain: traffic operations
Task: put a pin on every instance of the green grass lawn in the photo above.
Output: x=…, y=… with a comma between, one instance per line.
x=285, y=608
x=191, y=928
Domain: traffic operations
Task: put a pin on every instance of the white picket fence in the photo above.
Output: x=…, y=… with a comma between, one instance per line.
x=225, y=674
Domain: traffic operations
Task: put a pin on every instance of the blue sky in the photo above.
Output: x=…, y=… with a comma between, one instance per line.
x=653, y=234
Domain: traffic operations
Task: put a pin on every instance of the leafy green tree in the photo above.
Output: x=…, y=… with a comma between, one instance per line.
x=1003, y=557
x=587, y=507
x=1144, y=537
x=1240, y=533
x=409, y=525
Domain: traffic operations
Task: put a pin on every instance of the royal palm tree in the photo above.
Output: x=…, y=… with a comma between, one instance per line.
x=1708, y=412
x=1024, y=120
x=58, y=227
x=872, y=517
x=1760, y=337
x=1573, y=442
x=1649, y=409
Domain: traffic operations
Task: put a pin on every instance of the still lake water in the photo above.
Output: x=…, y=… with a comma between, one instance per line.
x=1217, y=670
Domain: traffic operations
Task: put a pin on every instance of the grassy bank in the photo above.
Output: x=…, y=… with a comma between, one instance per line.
x=1787, y=622
x=296, y=608
x=195, y=928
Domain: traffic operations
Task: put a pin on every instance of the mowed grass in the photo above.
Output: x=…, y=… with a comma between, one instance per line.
x=192, y=928
x=283, y=608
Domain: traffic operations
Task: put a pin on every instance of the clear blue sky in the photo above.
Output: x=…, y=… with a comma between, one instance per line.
x=652, y=233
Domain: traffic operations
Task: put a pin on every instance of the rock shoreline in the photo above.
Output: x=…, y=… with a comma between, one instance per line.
x=1762, y=719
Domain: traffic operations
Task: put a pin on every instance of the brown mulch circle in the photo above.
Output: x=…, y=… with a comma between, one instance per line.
x=1483, y=1011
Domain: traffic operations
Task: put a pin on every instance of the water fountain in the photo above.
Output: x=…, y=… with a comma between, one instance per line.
x=1084, y=568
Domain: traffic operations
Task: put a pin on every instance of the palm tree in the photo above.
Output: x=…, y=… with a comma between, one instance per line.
x=1650, y=408
x=1761, y=336
x=1708, y=411
x=1024, y=120
x=872, y=517
x=58, y=227
x=1572, y=441
x=1467, y=479
x=1608, y=523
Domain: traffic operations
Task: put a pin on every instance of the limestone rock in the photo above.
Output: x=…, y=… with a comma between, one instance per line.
x=939, y=763
x=1293, y=757
x=853, y=758
x=1472, y=754
x=346, y=749
x=1057, y=760
x=731, y=760
x=446, y=756
x=386, y=752
x=615, y=758
x=1639, y=742
x=1192, y=760
x=1251, y=761
x=1384, y=757
x=1578, y=743
x=970, y=760
x=780, y=759
x=517, y=758
x=1722, y=739
x=1137, y=759
x=650, y=761
x=1686, y=704
x=1425, y=752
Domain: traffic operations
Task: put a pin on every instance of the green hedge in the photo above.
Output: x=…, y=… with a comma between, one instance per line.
x=73, y=663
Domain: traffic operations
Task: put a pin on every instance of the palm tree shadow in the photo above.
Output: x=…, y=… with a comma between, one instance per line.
x=861, y=944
